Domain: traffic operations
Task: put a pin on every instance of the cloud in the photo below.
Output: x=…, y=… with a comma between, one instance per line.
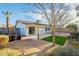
x=71, y=14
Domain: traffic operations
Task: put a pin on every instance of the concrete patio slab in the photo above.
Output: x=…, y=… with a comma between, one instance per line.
x=29, y=46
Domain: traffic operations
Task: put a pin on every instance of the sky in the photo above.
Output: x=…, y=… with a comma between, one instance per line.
x=17, y=12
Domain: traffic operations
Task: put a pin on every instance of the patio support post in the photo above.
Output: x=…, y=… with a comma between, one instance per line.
x=37, y=22
x=37, y=33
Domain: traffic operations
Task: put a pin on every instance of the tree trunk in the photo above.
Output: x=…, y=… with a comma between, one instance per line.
x=53, y=35
x=58, y=31
x=38, y=33
x=7, y=23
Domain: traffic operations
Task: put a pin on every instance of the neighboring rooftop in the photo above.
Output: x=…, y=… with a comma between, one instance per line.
x=4, y=25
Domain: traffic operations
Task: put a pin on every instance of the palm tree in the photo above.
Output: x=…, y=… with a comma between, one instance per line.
x=7, y=15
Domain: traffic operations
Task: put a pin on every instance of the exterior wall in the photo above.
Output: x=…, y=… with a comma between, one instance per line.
x=41, y=30
x=27, y=30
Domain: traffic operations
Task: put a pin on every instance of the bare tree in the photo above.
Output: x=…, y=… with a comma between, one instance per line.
x=52, y=12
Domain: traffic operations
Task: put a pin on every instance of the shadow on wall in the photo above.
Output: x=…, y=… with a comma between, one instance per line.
x=22, y=32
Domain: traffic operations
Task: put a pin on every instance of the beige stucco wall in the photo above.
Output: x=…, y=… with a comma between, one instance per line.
x=40, y=27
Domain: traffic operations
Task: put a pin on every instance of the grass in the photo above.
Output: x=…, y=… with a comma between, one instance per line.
x=58, y=39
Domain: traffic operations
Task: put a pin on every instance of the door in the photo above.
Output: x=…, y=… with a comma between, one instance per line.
x=31, y=30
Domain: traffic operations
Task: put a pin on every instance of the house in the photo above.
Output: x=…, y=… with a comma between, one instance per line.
x=3, y=28
x=32, y=28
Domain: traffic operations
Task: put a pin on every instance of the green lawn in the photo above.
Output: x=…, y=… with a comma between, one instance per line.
x=58, y=40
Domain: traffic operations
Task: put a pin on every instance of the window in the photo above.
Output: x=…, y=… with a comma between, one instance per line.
x=47, y=29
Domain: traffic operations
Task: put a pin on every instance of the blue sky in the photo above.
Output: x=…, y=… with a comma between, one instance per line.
x=17, y=12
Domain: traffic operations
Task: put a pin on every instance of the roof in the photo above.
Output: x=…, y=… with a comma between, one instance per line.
x=4, y=25
x=30, y=22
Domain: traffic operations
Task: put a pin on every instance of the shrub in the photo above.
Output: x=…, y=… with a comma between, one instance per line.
x=10, y=52
x=65, y=52
x=75, y=44
x=4, y=40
